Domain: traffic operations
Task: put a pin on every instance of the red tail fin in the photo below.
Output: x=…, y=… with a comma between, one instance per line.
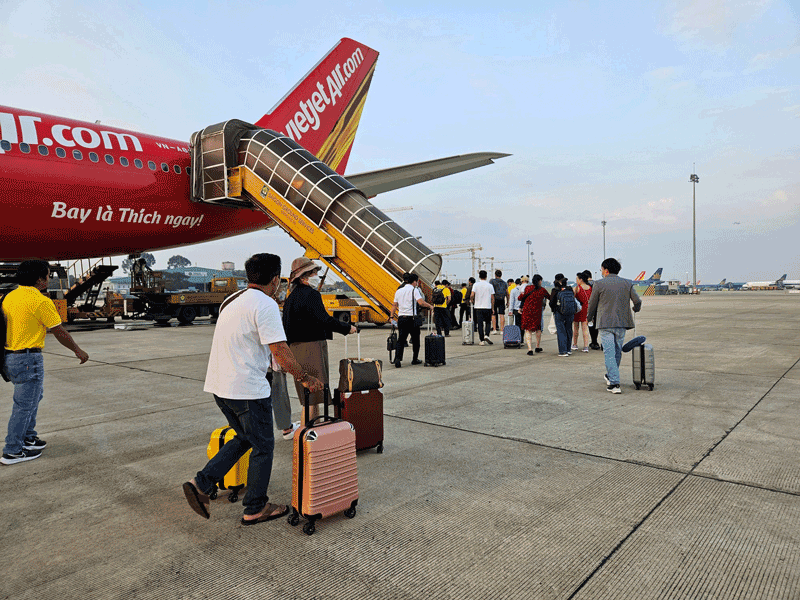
x=323, y=110
x=640, y=276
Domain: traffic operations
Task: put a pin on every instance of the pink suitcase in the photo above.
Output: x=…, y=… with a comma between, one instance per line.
x=324, y=471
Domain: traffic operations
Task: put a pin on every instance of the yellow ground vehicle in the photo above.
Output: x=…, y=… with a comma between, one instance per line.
x=155, y=304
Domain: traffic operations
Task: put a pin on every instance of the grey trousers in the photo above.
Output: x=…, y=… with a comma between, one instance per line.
x=281, y=407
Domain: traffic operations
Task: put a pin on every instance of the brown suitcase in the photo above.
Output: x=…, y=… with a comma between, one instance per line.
x=324, y=469
x=365, y=411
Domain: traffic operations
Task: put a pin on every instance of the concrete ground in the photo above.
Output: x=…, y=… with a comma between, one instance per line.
x=503, y=476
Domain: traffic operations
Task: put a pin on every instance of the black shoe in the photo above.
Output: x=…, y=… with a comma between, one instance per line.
x=488, y=341
x=416, y=361
x=530, y=352
x=10, y=459
x=539, y=350
x=397, y=365
x=34, y=443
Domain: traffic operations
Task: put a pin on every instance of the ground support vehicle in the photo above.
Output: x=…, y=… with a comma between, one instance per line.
x=156, y=304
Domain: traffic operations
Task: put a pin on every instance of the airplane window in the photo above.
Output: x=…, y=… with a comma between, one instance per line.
x=138, y=163
x=151, y=165
x=177, y=169
x=43, y=150
x=93, y=156
x=24, y=147
x=61, y=153
x=165, y=167
x=109, y=159
x=5, y=145
x=123, y=161
x=77, y=155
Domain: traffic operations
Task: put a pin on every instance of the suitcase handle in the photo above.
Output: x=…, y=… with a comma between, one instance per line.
x=326, y=394
x=358, y=337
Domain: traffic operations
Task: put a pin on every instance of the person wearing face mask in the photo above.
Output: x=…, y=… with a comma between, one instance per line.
x=308, y=326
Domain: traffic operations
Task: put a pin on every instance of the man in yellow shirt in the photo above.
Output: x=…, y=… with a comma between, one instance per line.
x=28, y=315
x=441, y=315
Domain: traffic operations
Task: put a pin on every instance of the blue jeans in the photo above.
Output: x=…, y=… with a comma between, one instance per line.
x=252, y=422
x=612, y=340
x=26, y=372
x=564, y=332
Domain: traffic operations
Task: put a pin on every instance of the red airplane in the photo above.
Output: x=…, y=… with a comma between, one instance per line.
x=73, y=189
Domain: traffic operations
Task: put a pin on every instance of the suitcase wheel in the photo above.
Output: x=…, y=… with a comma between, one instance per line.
x=651, y=386
x=213, y=494
x=380, y=448
x=294, y=519
x=309, y=528
x=350, y=512
x=638, y=385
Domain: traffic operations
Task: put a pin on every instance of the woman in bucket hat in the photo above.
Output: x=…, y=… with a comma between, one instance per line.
x=308, y=326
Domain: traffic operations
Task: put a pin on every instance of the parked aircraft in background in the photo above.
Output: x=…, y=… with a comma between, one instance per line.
x=75, y=189
x=791, y=284
x=647, y=287
x=765, y=285
x=712, y=286
x=640, y=276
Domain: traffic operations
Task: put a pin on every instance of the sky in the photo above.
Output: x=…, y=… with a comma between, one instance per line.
x=604, y=107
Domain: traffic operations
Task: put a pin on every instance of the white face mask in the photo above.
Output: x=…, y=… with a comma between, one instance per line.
x=313, y=281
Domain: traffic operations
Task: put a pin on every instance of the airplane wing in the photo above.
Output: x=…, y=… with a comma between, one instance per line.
x=373, y=183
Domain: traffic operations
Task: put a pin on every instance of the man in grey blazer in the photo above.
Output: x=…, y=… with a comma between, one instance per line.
x=610, y=310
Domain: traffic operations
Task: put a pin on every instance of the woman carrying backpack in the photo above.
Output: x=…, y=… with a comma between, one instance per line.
x=532, y=301
x=582, y=292
x=562, y=303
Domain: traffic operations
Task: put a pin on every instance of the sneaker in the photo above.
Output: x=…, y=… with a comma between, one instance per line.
x=530, y=352
x=614, y=389
x=490, y=342
x=287, y=435
x=563, y=354
x=416, y=361
x=397, y=365
x=10, y=459
x=538, y=350
x=483, y=343
x=605, y=376
x=574, y=347
x=34, y=443
x=586, y=349
x=569, y=353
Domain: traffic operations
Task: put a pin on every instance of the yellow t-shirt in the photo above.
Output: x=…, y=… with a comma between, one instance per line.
x=29, y=314
x=446, y=293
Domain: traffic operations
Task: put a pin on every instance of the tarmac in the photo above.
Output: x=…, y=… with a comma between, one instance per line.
x=503, y=475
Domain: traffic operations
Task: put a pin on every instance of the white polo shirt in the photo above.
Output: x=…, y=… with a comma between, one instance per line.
x=483, y=291
x=240, y=355
x=405, y=297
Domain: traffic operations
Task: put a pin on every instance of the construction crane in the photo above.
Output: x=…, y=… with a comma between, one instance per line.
x=491, y=261
x=460, y=249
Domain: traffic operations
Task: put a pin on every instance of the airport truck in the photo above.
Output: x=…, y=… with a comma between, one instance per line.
x=153, y=303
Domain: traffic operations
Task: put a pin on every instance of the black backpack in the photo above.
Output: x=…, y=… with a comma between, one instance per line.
x=437, y=297
x=566, y=302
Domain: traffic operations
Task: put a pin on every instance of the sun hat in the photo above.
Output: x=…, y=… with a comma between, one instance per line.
x=301, y=266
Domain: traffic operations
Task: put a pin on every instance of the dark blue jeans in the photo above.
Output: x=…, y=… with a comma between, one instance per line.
x=26, y=372
x=564, y=331
x=252, y=422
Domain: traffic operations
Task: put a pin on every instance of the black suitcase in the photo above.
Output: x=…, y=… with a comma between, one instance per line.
x=434, y=349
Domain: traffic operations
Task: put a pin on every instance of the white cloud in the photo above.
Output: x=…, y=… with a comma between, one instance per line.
x=711, y=24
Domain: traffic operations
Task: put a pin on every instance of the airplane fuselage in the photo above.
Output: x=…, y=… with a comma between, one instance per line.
x=72, y=189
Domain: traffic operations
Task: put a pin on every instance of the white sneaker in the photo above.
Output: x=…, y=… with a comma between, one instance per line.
x=586, y=349
x=605, y=376
x=574, y=347
x=563, y=354
x=482, y=343
x=290, y=434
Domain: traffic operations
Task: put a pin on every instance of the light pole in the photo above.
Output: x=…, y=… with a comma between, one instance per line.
x=529, y=257
x=603, y=222
x=694, y=180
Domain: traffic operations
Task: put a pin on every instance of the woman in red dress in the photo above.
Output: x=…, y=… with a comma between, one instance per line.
x=533, y=300
x=582, y=292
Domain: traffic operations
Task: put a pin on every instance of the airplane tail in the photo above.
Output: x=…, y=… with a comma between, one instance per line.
x=657, y=275
x=322, y=111
x=783, y=277
x=640, y=276
x=724, y=281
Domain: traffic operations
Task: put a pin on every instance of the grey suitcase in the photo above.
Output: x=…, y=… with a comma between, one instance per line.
x=644, y=366
x=468, y=334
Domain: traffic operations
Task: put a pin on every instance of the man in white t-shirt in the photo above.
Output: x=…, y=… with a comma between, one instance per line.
x=408, y=300
x=483, y=302
x=248, y=332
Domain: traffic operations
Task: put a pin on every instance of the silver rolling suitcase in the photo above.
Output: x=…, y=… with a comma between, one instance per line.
x=644, y=366
x=468, y=334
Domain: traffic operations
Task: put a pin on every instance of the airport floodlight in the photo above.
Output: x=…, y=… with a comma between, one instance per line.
x=694, y=180
x=529, y=257
x=603, y=223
